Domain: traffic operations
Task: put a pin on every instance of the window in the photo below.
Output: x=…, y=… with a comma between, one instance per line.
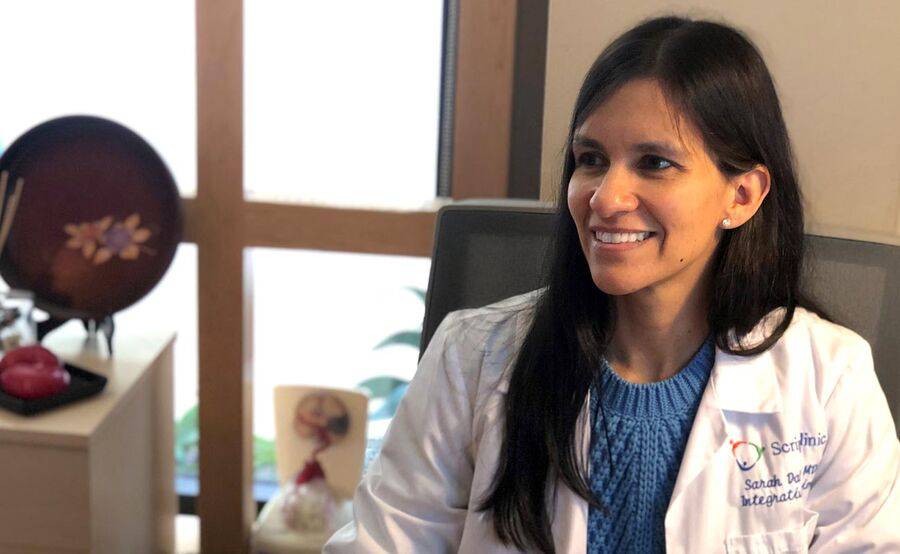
x=341, y=108
x=109, y=59
x=341, y=101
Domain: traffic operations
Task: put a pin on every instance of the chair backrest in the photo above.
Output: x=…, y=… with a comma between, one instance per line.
x=485, y=251
x=858, y=283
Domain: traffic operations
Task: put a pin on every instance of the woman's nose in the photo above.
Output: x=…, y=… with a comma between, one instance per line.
x=613, y=195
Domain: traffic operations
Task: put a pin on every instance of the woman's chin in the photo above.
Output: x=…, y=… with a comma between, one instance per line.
x=614, y=287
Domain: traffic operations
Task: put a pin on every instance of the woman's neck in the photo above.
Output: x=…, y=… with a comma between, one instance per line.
x=657, y=332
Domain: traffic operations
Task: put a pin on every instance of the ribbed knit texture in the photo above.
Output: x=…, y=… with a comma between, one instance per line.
x=648, y=426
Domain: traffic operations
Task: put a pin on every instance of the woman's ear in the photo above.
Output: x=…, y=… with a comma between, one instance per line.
x=750, y=189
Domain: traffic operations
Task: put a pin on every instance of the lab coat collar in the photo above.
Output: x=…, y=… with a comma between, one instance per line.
x=746, y=384
x=750, y=383
x=737, y=383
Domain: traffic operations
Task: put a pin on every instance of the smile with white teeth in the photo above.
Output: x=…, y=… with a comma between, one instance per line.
x=616, y=238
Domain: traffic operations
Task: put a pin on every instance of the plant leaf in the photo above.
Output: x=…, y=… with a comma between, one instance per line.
x=389, y=408
x=381, y=386
x=186, y=428
x=263, y=452
x=409, y=338
x=418, y=292
x=187, y=438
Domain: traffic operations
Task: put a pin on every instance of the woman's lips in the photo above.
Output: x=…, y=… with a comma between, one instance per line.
x=599, y=246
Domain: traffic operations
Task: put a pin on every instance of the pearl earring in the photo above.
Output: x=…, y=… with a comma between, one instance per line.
x=726, y=223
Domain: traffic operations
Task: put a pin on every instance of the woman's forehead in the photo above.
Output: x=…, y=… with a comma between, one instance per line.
x=636, y=114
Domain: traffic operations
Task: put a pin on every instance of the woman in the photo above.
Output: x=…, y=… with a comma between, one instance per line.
x=670, y=389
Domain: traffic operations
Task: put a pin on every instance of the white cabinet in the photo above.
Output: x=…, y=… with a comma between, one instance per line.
x=96, y=475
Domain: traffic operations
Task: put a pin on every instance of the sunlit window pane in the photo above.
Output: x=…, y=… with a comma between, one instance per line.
x=341, y=101
x=172, y=304
x=132, y=62
x=319, y=319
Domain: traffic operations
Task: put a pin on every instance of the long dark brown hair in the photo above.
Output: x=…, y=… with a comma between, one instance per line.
x=713, y=75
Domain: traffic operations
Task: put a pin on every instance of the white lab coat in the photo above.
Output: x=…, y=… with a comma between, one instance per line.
x=826, y=481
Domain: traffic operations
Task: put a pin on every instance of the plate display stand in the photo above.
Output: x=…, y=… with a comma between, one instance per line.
x=107, y=326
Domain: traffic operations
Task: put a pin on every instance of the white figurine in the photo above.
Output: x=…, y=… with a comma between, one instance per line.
x=309, y=503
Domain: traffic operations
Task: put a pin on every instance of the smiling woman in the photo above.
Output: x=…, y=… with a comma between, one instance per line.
x=672, y=342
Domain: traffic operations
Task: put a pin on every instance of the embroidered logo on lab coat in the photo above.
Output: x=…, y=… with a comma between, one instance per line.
x=775, y=483
x=746, y=454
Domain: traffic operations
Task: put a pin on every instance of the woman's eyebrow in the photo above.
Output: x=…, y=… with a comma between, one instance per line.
x=585, y=142
x=649, y=147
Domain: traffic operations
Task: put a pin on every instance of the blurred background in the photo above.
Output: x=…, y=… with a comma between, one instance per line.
x=353, y=121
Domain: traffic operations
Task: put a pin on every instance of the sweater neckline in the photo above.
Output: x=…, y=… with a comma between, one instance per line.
x=677, y=394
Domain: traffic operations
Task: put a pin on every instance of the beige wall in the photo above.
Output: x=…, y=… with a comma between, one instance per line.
x=836, y=68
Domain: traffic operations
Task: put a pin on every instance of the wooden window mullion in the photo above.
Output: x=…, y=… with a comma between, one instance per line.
x=225, y=502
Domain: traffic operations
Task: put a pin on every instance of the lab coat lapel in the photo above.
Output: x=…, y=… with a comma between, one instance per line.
x=736, y=384
x=708, y=436
x=571, y=516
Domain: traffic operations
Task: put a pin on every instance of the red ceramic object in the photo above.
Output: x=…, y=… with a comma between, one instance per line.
x=34, y=354
x=30, y=381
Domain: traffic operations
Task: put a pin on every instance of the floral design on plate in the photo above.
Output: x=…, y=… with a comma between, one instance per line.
x=103, y=239
x=85, y=236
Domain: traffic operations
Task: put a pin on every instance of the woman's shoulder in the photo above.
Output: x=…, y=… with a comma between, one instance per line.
x=480, y=344
x=808, y=333
x=811, y=356
x=507, y=318
x=829, y=351
x=830, y=342
x=822, y=327
x=807, y=362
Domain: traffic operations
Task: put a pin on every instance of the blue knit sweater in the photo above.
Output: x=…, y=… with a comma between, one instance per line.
x=647, y=426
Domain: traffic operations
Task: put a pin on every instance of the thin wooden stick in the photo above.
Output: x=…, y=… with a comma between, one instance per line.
x=4, y=177
x=10, y=214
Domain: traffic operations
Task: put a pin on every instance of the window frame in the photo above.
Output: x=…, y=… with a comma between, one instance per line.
x=480, y=71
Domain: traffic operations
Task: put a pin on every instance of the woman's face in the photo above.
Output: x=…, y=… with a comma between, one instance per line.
x=645, y=197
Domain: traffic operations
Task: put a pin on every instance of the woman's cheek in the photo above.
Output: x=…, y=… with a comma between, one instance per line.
x=579, y=195
x=572, y=198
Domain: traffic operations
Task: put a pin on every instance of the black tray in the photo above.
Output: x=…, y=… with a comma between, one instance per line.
x=83, y=384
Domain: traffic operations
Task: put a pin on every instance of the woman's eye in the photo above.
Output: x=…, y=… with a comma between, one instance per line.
x=588, y=159
x=655, y=163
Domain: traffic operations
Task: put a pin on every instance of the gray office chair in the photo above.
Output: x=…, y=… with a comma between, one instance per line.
x=485, y=251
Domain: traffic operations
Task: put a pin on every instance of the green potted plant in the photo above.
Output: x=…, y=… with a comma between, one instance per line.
x=385, y=392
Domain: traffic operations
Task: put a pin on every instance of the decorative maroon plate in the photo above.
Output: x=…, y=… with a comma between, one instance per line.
x=98, y=221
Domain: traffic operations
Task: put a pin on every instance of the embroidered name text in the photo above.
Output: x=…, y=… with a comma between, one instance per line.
x=804, y=440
